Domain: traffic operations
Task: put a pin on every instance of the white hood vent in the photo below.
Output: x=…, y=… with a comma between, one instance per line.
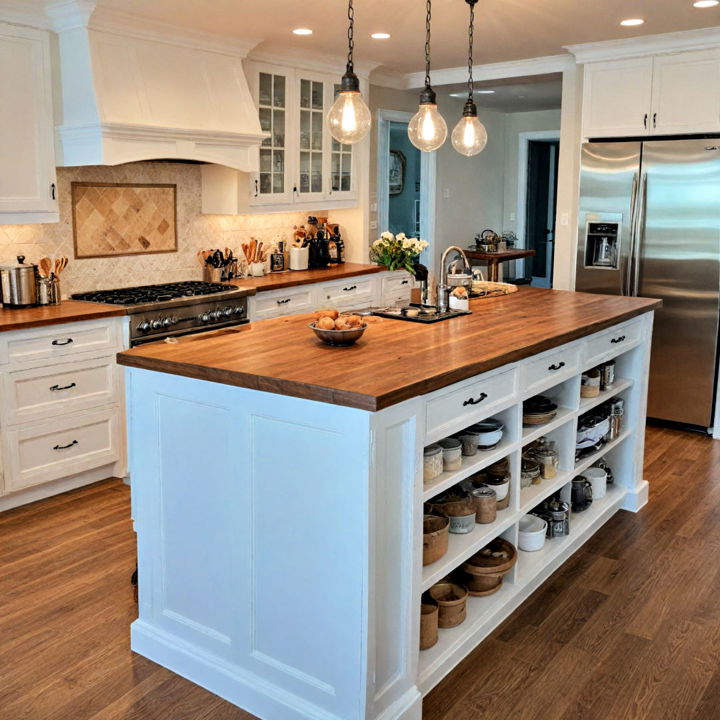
x=139, y=95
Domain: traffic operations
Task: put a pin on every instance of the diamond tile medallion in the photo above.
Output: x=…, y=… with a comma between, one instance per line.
x=123, y=219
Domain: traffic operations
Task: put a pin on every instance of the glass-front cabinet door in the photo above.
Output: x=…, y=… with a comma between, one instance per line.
x=312, y=146
x=273, y=184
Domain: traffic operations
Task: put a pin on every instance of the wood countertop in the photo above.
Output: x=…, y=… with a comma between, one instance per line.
x=292, y=278
x=67, y=311
x=394, y=360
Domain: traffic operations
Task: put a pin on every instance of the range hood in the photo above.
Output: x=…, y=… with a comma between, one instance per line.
x=129, y=95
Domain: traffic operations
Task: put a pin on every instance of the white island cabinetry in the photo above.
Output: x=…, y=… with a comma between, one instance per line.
x=289, y=579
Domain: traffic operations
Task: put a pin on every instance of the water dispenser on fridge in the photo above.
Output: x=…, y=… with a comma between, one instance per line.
x=602, y=245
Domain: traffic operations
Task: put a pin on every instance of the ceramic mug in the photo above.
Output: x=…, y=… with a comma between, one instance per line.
x=598, y=479
x=257, y=269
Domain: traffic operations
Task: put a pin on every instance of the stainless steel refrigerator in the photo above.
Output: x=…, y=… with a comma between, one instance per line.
x=649, y=225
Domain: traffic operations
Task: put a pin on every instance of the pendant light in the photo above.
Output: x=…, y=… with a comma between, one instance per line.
x=469, y=136
x=349, y=118
x=427, y=129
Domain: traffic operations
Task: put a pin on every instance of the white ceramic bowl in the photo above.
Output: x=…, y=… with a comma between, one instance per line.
x=532, y=531
x=501, y=490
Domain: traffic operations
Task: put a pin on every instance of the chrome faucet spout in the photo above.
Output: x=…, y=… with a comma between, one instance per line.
x=443, y=288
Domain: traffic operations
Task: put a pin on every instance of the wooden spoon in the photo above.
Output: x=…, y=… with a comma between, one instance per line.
x=45, y=267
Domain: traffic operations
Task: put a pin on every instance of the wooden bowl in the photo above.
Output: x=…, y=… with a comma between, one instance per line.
x=339, y=338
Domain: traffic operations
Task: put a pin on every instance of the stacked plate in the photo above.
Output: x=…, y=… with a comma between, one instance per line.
x=538, y=410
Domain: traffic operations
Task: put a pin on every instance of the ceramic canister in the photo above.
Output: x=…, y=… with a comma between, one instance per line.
x=598, y=479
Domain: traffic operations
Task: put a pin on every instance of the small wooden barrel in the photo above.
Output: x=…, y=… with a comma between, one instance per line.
x=485, y=501
x=452, y=603
x=428, y=626
x=435, y=538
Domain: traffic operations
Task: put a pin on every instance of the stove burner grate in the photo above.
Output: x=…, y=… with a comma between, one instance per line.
x=153, y=293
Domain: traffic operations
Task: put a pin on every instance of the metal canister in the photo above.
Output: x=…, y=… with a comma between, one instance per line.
x=19, y=284
x=607, y=375
x=557, y=515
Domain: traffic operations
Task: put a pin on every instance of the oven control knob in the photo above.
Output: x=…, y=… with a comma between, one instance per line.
x=204, y=318
x=239, y=310
x=216, y=314
x=174, y=320
x=156, y=324
x=144, y=326
x=227, y=312
x=166, y=322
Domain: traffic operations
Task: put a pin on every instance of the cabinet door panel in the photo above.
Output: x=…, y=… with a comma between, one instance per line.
x=312, y=137
x=26, y=124
x=686, y=93
x=617, y=98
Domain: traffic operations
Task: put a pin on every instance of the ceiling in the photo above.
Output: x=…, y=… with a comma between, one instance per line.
x=505, y=29
x=523, y=94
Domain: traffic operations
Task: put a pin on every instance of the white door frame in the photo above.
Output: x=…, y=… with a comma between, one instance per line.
x=524, y=139
x=428, y=174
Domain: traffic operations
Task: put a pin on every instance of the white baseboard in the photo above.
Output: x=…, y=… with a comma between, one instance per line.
x=637, y=497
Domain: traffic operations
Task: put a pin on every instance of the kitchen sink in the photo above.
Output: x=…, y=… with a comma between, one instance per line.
x=415, y=313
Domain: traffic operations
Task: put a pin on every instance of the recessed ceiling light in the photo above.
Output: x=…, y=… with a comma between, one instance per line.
x=631, y=22
x=302, y=31
x=386, y=36
x=706, y=3
x=484, y=92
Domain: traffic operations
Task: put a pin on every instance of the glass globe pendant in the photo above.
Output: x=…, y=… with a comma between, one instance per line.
x=349, y=119
x=469, y=136
x=427, y=129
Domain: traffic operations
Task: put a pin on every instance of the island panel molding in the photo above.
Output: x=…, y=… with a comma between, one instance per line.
x=394, y=360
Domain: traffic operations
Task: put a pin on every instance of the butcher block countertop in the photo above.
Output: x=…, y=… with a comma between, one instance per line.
x=67, y=311
x=293, y=278
x=394, y=360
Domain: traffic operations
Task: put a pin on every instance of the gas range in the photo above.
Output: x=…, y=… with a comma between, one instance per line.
x=173, y=309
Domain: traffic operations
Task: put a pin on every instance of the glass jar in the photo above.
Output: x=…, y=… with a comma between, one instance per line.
x=451, y=454
x=547, y=457
x=432, y=462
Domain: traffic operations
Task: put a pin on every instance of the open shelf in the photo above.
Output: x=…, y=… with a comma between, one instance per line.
x=618, y=386
x=582, y=525
x=535, y=494
x=533, y=432
x=470, y=465
x=482, y=618
x=586, y=462
x=461, y=547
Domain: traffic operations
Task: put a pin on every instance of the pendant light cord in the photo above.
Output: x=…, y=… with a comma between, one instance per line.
x=350, y=33
x=428, y=16
x=471, y=31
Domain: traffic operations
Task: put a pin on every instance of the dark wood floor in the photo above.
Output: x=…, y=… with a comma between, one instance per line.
x=629, y=628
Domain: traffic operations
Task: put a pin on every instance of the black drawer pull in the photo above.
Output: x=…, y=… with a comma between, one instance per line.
x=475, y=401
x=63, y=387
x=283, y=302
x=557, y=366
x=404, y=282
x=348, y=289
x=62, y=342
x=65, y=447
x=616, y=340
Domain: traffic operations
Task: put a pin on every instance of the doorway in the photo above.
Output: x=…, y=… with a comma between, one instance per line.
x=405, y=183
x=537, y=203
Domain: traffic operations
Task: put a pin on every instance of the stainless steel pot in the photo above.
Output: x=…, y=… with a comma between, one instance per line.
x=19, y=284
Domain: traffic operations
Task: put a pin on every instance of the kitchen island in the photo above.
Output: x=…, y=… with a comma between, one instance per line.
x=278, y=491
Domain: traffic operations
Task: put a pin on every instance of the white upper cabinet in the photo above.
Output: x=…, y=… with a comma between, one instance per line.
x=686, y=93
x=668, y=94
x=616, y=98
x=301, y=166
x=27, y=156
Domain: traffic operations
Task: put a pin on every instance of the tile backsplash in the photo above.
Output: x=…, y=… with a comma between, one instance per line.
x=195, y=231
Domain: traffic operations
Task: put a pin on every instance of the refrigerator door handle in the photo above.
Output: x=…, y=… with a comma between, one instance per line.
x=626, y=284
x=639, y=234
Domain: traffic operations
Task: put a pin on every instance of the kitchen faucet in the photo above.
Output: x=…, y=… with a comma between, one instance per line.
x=443, y=287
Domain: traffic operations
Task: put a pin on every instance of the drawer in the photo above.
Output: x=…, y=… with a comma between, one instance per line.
x=61, y=341
x=41, y=452
x=397, y=287
x=289, y=302
x=58, y=389
x=354, y=291
x=550, y=368
x=454, y=410
x=612, y=342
